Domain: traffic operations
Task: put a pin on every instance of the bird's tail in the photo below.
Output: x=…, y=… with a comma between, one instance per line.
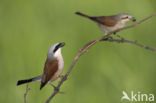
x=81, y=14
x=86, y=16
x=20, y=82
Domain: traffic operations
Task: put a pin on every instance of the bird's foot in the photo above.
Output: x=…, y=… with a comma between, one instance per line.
x=106, y=38
x=110, y=37
x=61, y=76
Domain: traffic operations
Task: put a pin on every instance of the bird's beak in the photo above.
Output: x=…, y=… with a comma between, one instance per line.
x=133, y=19
x=61, y=44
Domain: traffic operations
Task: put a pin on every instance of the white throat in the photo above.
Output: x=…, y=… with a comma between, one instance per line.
x=52, y=55
x=58, y=53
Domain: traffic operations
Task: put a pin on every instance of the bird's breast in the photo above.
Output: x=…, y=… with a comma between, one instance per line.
x=111, y=28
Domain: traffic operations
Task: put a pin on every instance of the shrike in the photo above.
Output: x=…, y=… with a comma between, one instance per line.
x=110, y=23
x=52, y=69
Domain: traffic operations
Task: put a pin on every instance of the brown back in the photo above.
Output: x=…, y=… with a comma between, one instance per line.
x=106, y=20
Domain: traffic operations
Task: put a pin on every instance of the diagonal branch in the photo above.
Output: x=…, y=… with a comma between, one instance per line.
x=122, y=40
x=90, y=44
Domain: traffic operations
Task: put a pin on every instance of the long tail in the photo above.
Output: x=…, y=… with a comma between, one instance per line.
x=86, y=16
x=81, y=14
x=20, y=82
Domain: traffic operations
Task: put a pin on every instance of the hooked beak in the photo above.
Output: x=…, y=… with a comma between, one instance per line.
x=133, y=19
x=61, y=45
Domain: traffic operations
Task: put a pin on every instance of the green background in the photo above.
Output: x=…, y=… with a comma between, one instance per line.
x=29, y=27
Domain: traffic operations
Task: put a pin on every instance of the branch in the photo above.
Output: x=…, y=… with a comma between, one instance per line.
x=123, y=40
x=90, y=44
x=26, y=92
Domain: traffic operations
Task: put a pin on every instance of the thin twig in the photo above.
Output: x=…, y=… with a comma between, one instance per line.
x=90, y=44
x=123, y=40
x=26, y=92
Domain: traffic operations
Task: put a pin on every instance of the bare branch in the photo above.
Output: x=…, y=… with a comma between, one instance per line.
x=90, y=44
x=26, y=92
x=122, y=40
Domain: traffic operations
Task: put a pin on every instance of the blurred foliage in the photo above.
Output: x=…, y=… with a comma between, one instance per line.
x=29, y=27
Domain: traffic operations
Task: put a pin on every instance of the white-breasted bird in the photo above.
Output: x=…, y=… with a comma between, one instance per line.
x=110, y=23
x=52, y=69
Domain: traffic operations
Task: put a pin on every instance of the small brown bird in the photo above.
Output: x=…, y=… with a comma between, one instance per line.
x=52, y=69
x=110, y=23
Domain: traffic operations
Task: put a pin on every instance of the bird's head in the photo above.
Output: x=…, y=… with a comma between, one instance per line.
x=55, y=50
x=124, y=18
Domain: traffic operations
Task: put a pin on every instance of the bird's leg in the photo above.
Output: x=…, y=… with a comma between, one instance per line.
x=110, y=37
x=61, y=76
x=106, y=38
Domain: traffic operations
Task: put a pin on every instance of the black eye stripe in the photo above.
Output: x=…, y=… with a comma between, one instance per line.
x=125, y=17
x=57, y=47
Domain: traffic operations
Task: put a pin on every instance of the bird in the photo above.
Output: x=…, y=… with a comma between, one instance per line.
x=53, y=67
x=110, y=23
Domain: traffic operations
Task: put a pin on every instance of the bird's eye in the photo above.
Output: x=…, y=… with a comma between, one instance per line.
x=125, y=17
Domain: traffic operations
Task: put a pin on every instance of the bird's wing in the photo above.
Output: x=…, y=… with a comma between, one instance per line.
x=49, y=70
x=106, y=20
